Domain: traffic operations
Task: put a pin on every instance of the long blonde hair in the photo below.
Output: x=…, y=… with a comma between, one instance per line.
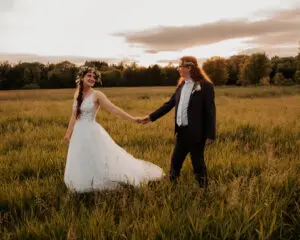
x=197, y=73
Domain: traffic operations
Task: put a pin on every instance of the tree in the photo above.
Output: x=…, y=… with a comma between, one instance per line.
x=16, y=76
x=62, y=75
x=112, y=78
x=100, y=65
x=287, y=66
x=216, y=69
x=274, y=62
x=298, y=59
x=278, y=79
x=238, y=69
x=120, y=66
x=297, y=77
x=5, y=68
x=254, y=69
x=156, y=75
x=234, y=65
x=265, y=81
x=297, y=74
x=44, y=81
x=170, y=75
x=284, y=65
x=32, y=74
x=130, y=76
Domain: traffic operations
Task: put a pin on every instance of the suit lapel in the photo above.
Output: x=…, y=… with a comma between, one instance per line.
x=193, y=89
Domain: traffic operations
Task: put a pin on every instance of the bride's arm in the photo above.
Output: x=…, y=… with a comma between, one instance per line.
x=110, y=107
x=70, y=125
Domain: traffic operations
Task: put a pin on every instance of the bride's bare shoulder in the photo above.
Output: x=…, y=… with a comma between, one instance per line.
x=101, y=98
x=99, y=94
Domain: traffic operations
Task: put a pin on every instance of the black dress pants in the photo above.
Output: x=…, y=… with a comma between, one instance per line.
x=184, y=145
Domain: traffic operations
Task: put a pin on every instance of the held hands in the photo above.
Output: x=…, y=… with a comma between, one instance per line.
x=142, y=120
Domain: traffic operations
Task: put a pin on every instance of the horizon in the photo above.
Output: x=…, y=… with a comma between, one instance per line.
x=129, y=31
x=80, y=60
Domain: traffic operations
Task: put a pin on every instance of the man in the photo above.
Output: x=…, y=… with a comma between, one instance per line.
x=195, y=118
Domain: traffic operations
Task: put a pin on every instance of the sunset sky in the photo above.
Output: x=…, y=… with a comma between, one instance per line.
x=148, y=32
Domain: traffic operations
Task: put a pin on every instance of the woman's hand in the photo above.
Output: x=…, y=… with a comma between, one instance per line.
x=142, y=120
x=135, y=119
x=67, y=137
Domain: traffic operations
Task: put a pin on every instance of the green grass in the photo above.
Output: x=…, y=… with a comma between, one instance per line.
x=253, y=168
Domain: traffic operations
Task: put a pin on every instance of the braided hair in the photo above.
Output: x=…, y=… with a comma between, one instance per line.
x=79, y=82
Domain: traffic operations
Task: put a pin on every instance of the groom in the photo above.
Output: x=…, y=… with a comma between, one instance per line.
x=195, y=118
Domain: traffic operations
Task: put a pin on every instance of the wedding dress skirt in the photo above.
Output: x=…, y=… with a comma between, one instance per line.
x=96, y=162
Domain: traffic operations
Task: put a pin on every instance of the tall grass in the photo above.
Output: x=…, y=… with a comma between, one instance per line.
x=253, y=168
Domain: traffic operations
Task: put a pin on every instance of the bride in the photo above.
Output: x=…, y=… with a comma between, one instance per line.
x=94, y=160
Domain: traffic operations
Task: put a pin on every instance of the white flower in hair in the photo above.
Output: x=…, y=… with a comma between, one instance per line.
x=85, y=69
x=186, y=63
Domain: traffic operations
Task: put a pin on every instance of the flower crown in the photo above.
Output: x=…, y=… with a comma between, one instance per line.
x=84, y=70
x=185, y=63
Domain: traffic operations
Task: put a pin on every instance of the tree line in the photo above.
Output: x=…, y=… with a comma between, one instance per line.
x=237, y=70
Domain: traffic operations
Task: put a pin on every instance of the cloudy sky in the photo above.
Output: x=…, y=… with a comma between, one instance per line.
x=156, y=31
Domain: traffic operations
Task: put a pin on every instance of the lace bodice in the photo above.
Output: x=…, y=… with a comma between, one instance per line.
x=88, y=111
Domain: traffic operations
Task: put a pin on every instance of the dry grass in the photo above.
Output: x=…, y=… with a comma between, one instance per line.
x=253, y=168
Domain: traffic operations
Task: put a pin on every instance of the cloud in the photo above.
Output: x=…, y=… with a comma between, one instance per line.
x=152, y=51
x=283, y=38
x=6, y=5
x=272, y=51
x=281, y=28
x=78, y=60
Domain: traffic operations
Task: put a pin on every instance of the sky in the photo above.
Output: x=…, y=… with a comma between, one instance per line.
x=148, y=32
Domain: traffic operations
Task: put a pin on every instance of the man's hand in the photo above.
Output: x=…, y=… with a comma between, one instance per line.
x=146, y=119
x=143, y=120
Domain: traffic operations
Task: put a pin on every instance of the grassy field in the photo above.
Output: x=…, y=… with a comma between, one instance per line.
x=254, y=170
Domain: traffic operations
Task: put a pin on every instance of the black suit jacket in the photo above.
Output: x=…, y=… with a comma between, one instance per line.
x=201, y=111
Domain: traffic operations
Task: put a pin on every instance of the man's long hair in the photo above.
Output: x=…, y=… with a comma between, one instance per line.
x=197, y=73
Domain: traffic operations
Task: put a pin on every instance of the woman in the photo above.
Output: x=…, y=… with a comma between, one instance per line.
x=94, y=160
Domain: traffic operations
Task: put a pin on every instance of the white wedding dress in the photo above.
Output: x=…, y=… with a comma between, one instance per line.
x=96, y=162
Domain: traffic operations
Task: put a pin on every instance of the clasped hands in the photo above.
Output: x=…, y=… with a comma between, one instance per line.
x=142, y=120
x=146, y=119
